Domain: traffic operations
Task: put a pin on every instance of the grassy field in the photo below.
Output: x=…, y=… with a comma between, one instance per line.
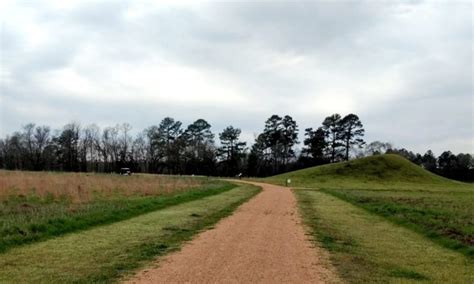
x=110, y=252
x=84, y=187
x=365, y=248
x=337, y=200
x=445, y=217
x=37, y=206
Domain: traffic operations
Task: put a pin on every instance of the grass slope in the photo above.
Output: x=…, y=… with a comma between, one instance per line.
x=399, y=191
x=107, y=253
x=383, y=171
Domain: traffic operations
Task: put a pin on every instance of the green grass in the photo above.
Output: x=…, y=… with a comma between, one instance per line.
x=398, y=193
x=445, y=217
x=110, y=252
x=27, y=219
x=376, y=172
x=365, y=248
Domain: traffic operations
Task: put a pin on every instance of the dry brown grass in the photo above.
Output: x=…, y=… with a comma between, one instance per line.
x=82, y=187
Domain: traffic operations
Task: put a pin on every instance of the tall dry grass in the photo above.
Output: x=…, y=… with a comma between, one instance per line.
x=83, y=187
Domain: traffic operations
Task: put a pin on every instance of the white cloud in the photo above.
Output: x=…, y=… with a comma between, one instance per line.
x=150, y=82
x=238, y=63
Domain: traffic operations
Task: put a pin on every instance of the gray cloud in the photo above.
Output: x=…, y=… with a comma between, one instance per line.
x=404, y=67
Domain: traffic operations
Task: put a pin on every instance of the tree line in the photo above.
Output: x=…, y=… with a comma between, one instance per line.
x=171, y=148
x=273, y=151
x=459, y=167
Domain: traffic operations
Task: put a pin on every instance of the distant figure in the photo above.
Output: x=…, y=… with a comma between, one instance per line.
x=239, y=175
x=125, y=172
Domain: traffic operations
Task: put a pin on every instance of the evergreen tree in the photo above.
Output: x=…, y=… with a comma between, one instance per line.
x=352, y=132
x=334, y=138
x=315, y=144
x=429, y=161
x=279, y=136
x=200, y=148
x=169, y=132
x=231, y=150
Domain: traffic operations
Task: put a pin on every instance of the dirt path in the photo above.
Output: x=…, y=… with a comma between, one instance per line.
x=263, y=241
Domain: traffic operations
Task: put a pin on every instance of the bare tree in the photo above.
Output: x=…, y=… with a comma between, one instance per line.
x=90, y=143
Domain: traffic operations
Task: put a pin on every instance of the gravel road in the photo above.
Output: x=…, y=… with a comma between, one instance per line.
x=263, y=241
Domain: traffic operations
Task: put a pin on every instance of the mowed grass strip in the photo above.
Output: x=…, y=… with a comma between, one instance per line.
x=106, y=253
x=445, y=217
x=365, y=247
x=31, y=219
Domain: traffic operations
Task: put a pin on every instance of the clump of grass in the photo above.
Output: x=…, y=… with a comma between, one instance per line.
x=408, y=274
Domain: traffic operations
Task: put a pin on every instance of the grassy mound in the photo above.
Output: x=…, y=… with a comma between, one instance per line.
x=383, y=170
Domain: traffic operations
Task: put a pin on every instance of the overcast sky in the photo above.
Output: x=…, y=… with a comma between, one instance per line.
x=405, y=67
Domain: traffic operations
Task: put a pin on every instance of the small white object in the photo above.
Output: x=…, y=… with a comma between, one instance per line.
x=288, y=181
